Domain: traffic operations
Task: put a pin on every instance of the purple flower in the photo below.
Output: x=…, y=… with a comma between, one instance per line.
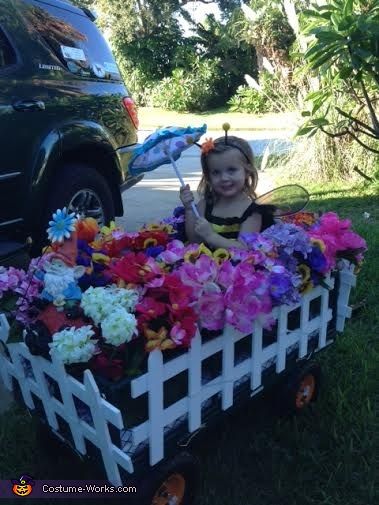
x=289, y=237
x=317, y=260
x=282, y=288
x=154, y=251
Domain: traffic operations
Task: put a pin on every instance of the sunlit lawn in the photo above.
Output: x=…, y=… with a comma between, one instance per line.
x=326, y=457
x=151, y=118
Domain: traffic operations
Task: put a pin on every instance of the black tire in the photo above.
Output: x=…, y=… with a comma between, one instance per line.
x=74, y=180
x=300, y=389
x=184, y=465
x=76, y=177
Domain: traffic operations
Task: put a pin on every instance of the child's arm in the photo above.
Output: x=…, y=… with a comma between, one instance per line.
x=186, y=196
x=205, y=231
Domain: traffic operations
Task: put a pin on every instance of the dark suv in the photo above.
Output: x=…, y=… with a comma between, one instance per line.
x=66, y=121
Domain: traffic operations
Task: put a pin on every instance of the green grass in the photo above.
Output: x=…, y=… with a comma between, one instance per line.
x=328, y=456
x=151, y=118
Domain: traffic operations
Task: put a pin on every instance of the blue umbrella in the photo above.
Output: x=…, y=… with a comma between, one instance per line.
x=165, y=146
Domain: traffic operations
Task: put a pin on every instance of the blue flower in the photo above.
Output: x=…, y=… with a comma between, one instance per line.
x=61, y=225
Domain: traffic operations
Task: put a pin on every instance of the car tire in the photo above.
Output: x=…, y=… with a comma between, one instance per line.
x=76, y=180
x=82, y=190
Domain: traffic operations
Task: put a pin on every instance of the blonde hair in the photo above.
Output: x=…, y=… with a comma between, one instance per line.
x=220, y=146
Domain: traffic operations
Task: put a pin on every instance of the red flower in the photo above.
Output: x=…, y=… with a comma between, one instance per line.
x=106, y=367
x=150, y=238
x=179, y=294
x=135, y=268
x=114, y=247
x=150, y=308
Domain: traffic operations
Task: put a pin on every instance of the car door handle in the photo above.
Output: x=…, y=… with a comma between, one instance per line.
x=28, y=105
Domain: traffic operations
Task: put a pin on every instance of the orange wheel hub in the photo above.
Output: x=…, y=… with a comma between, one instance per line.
x=306, y=391
x=171, y=492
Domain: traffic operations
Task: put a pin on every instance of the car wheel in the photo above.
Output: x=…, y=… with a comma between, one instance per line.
x=84, y=191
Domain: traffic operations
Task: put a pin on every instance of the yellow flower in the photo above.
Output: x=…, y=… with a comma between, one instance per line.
x=150, y=242
x=107, y=230
x=306, y=282
x=191, y=256
x=319, y=243
x=101, y=258
x=305, y=272
x=203, y=249
x=221, y=255
x=151, y=227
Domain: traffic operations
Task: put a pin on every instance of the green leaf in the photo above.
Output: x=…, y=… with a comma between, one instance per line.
x=304, y=131
x=348, y=8
x=320, y=121
x=305, y=113
x=323, y=59
x=346, y=72
x=329, y=36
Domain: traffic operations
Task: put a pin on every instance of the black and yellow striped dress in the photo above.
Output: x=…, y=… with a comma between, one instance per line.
x=229, y=227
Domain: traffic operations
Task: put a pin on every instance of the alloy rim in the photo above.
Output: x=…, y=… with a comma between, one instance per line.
x=86, y=203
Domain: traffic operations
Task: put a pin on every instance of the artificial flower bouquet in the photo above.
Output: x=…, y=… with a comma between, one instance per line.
x=103, y=299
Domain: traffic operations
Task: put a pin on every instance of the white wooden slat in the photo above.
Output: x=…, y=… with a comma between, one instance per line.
x=4, y=328
x=104, y=441
x=304, y=323
x=256, y=360
x=227, y=368
x=194, y=383
x=211, y=347
x=15, y=351
x=70, y=413
x=323, y=319
x=155, y=402
x=281, y=347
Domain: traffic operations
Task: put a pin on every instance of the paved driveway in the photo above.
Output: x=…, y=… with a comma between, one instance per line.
x=155, y=197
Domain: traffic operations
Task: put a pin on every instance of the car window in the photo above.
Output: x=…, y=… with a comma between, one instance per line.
x=74, y=40
x=7, y=54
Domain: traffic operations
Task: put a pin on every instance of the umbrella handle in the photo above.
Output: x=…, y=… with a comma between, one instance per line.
x=194, y=208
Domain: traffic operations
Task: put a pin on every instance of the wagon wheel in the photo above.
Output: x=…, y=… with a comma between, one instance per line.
x=173, y=482
x=300, y=389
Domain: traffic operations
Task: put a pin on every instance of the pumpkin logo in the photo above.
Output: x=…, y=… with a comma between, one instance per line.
x=23, y=486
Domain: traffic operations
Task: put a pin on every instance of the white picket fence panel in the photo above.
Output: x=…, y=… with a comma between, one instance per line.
x=188, y=408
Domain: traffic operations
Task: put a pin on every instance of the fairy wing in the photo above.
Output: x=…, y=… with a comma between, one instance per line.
x=287, y=199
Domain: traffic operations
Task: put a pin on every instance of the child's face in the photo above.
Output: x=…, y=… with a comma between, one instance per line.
x=227, y=174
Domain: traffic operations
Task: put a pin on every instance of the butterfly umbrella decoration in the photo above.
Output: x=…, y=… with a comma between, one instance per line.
x=165, y=146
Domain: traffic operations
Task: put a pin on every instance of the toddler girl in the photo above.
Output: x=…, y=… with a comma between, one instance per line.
x=227, y=187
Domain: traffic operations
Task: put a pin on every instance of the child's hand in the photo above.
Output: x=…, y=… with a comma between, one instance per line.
x=186, y=196
x=203, y=229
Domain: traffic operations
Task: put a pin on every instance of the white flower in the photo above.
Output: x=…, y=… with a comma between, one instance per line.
x=74, y=345
x=127, y=298
x=119, y=326
x=98, y=303
x=366, y=215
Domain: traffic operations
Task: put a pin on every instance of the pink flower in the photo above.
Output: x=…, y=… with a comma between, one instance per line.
x=337, y=237
x=211, y=308
x=174, y=252
x=199, y=273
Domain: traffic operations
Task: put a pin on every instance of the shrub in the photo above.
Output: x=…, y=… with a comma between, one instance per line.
x=188, y=90
x=275, y=95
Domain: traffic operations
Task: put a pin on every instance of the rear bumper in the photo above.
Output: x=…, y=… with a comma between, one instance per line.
x=131, y=181
x=124, y=154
